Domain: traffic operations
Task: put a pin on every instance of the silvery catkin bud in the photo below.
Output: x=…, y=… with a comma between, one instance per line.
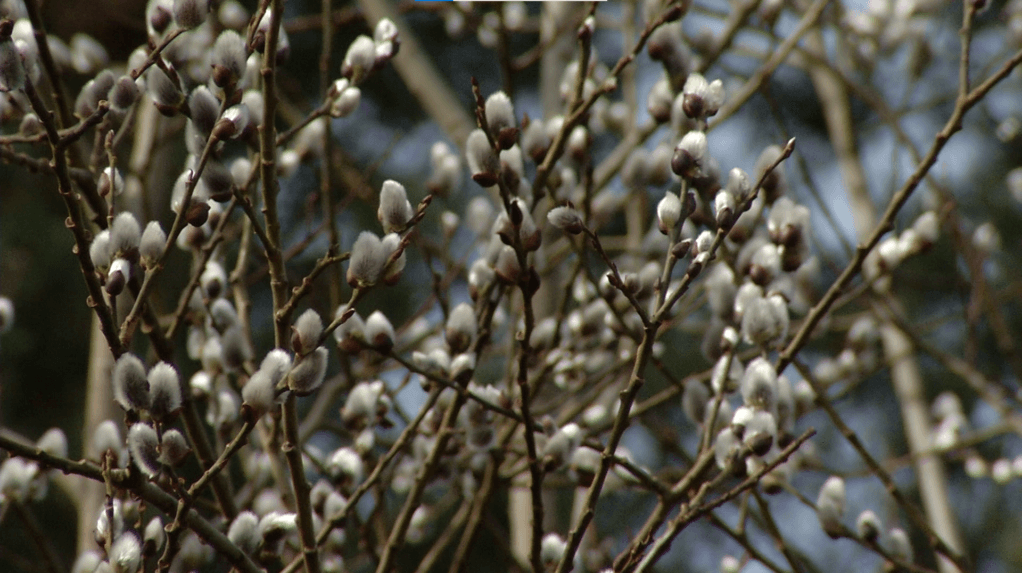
x=346, y=465
x=694, y=93
x=259, y=393
x=720, y=290
x=552, y=548
x=131, y=388
x=87, y=54
x=899, y=545
x=690, y=155
x=463, y=366
x=154, y=537
x=395, y=210
x=367, y=260
x=228, y=59
x=124, y=94
x=763, y=323
x=150, y=246
x=12, y=70
x=235, y=350
x=125, y=233
x=276, y=364
x=379, y=332
x=235, y=121
x=830, y=506
x=566, y=218
x=99, y=250
x=561, y=446
x=165, y=92
x=738, y=184
x=385, y=31
x=203, y=109
x=867, y=526
x=110, y=182
x=759, y=385
x=461, y=327
x=30, y=125
x=724, y=208
x=351, y=333
x=173, y=448
x=190, y=14
x=164, y=391
x=500, y=119
x=395, y=265
x=482, y=161
x=306, y=332
x=143, y=443
x=222, y=314
x=694, y=400
x=334, y=506
x=759, y=432
x=659, y=101
x=244, y=532
x=927, y=228
x=360, y=407
x=16, y=477
x=213, y=281
x=668, y=212
x=105, y=437
x=359, y=60
x=346, y=98
x=118, y=276
x=307, y=374
x=53, y=442
x=507, y=267
x=126, y=553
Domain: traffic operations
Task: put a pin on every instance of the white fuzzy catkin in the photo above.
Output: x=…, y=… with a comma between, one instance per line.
x=307, y=374
x=174, y=448
x=276, y=364
x=307, y=330
x=228, y=57
x=155, y=536
x=690, y=155
x=143, y=443
x=244, y=532
x=360, y=407
x=150, y=246
x=500, y=113
x=867, y=526
x=351, y=333
x=479, y=154
x=258, y=392
x=189, y=14
x=552, y=548
x=461, y=327
x=124, y=233
x=345, y=463
x=830, y=506
x=368, y=258
x=395, y=210
x=359, y=59
x=131, y=387
x=379, y=332
x=759, y=385
x=126, y=553
x=164, y=391
x=899, y=545
x=394, y=265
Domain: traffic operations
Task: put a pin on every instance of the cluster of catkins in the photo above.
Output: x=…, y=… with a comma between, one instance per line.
x=212, y=80
x=742, y=235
